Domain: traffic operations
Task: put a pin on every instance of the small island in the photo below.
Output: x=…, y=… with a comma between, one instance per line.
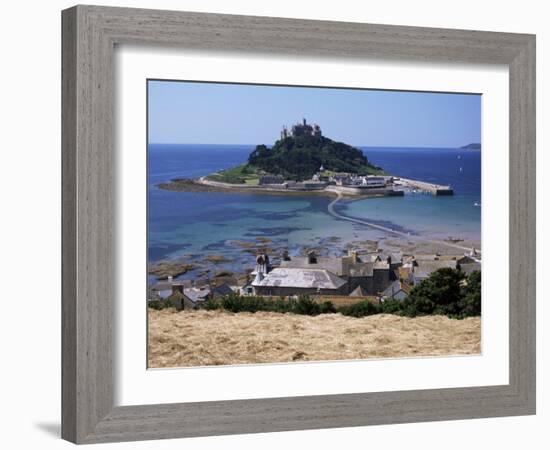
x=299, y=155
x=305, y=161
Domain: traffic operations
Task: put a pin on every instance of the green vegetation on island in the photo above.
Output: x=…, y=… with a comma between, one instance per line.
x=242, y=174
x=298, y=158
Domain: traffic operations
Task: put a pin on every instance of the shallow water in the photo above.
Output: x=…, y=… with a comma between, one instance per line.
x=194, y=224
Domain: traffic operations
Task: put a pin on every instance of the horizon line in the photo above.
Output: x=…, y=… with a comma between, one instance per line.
x=352, y=145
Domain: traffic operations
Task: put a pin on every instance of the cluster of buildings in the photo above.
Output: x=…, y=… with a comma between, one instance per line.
x=340, y=182
x=185, y=294
x=372, y=181
x=377, y=275
x=301, y=129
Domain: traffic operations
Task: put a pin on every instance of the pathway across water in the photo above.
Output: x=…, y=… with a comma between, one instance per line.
x=333, y=213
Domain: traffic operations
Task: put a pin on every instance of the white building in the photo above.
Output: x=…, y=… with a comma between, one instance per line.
x=374, y=181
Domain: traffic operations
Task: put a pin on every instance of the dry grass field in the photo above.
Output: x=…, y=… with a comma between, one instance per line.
x=204, y=338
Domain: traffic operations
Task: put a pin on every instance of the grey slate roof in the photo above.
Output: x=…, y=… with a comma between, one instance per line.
x=361, y=269
x=370, y=257
x=424, y=268
x=342, y=266
x=337, y=266
x=358, y=292
x=223, y=289
x=470, y=267
x=301, y=278
x=167, y=285
x=395, y=287
x=396, y=257
x=196, y=294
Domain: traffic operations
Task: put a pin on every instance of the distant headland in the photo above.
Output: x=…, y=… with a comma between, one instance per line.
x=472, y=146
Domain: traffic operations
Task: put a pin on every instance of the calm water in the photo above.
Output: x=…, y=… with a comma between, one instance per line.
x=191, y=225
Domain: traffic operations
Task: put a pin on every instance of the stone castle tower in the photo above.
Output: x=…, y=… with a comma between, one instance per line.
x=301, y=129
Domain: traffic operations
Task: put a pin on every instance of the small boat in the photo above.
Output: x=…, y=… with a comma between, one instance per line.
x=477, y=204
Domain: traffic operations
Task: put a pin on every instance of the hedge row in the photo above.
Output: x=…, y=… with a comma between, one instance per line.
x=446, y=292
x=303, y=305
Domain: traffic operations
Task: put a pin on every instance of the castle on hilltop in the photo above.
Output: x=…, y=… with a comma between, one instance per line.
x=301, y=129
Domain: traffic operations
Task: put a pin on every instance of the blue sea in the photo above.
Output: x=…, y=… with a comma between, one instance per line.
x=191, y=225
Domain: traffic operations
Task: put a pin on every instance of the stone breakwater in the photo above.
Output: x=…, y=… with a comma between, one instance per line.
x=435, y=189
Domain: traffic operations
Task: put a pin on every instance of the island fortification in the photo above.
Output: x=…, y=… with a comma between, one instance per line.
x=304, y=160
x=301, y=129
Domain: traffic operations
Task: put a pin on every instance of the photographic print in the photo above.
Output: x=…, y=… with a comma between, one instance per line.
x=288, y=224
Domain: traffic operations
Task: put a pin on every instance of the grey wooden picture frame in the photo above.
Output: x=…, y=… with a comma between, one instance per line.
x=89, y=37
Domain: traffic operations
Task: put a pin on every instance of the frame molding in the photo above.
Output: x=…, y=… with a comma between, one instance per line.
x=89, y=35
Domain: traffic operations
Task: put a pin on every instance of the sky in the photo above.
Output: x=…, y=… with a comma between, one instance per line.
x=219, y=113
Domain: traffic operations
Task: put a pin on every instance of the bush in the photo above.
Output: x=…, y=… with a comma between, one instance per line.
x=390, y=306
x=155, y=304
x=326, y=308
x=305, y=305
x=161, y=304
x=211, y=305
x=236, y=303
x=361, y=309
x=470, y=304
x=446, y=291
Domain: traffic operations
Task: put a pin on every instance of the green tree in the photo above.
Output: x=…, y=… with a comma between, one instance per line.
x=299, y=157
x=470, y=304
x=441, y=293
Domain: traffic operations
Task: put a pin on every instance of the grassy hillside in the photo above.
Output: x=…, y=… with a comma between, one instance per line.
x=298, y=158
x=245, y=173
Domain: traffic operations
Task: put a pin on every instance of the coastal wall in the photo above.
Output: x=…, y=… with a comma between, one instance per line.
x=352, y=190
x=435, y=189
x=392, y=190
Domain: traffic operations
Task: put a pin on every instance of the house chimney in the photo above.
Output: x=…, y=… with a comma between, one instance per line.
x=177, y=288
x=311, y=257
x=353, y=255
x=259, y=277
x=261, y=263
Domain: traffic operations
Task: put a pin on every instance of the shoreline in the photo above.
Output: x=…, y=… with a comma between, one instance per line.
x=203, y=185
x=205, y=271
x=394, y=239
